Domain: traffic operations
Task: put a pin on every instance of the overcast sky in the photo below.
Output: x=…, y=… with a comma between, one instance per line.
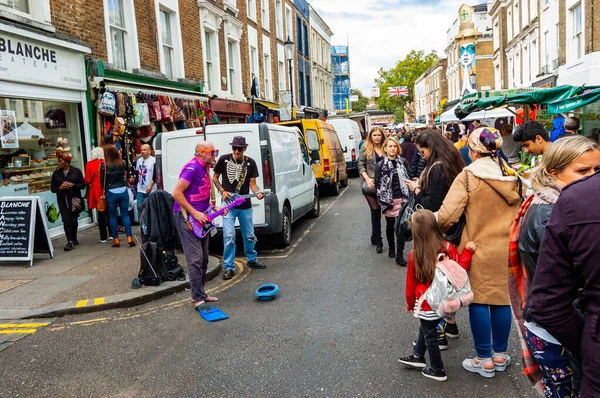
x=382, y=32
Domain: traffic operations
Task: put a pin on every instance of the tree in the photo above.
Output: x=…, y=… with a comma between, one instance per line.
x=404, y=73
x=361, y=104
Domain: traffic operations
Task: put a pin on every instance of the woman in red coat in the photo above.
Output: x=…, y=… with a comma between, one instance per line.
x=92, y=178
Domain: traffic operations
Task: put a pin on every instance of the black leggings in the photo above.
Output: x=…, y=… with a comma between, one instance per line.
x=372, y=201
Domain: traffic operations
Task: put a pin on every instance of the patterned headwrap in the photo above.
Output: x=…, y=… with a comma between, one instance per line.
x=487, y=141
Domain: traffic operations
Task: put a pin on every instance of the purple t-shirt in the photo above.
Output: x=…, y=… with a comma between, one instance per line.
x=197, y=194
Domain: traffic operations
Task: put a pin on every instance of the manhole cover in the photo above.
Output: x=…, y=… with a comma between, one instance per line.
x=7, y=284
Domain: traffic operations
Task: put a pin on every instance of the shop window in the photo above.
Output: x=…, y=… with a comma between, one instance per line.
x=30, y=134
x=168, y=51
x=264, y=13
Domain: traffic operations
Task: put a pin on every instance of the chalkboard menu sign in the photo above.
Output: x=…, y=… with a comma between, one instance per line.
x=23, y=230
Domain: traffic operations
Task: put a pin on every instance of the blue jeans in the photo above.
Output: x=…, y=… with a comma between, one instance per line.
x=140, y=197
x=247, y=227
x=121, y=199
x=490, y=323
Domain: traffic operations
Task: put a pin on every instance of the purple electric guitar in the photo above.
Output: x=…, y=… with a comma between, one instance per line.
x=202, y=230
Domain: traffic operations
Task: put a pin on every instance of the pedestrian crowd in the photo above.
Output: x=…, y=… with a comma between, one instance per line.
x=477, y=213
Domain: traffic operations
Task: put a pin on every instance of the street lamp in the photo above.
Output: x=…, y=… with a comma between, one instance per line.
x=473, y=80
x=289, y=55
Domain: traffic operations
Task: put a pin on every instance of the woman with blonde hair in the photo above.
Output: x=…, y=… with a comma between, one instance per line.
x=370, y=154
x=565, y=161
x=390, y=175
x=95, y=191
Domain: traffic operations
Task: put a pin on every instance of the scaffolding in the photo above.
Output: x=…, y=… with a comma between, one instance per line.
x=340, y=61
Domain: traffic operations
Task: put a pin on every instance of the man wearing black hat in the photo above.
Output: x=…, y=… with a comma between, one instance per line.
x=239, y=177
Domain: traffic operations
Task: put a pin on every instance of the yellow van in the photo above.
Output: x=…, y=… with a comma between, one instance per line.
x=326, y=153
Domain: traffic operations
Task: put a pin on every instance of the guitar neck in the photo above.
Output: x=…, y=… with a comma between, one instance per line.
x=214, y=214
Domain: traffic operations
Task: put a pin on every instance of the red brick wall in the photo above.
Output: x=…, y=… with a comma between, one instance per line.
x=189, y=19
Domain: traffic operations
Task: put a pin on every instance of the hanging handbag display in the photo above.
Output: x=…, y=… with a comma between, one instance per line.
x=165, y=107
x=101, y=205
x=454, y=234
x=154, y=105
x=107, y=104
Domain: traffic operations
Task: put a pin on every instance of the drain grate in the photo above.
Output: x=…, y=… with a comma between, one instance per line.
x=7, y=284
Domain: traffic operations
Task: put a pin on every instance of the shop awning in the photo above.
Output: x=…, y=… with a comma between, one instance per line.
x=491, y=114
x=449, y=115
x=570, y=104
x=485, y=100
x=268, y=104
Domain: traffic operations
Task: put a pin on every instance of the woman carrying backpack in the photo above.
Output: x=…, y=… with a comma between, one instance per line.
x=428, y=244
x=488, y=192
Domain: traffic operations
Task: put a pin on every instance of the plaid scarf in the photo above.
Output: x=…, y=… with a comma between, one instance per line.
x=518, y=289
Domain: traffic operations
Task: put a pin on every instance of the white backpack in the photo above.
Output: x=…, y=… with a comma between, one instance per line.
x=107, y=105
x=450, y=289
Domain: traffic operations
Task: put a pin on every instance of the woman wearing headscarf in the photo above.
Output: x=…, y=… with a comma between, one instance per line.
x=390, y=176
x=370, y=154
x=67, y=182
x=488, y=192
x=92, y=178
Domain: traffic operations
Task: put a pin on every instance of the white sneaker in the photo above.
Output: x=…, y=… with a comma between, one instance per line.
x=102, y=241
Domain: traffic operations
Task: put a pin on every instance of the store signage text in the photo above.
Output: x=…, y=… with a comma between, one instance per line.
x=233, y=107
x=22, y=59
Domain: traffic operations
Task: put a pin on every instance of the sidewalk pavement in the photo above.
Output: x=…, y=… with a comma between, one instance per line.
x=91, y=277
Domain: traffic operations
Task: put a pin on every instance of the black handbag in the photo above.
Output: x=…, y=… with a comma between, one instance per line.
x=454, y=234
x=366, y=190
x=406, y=211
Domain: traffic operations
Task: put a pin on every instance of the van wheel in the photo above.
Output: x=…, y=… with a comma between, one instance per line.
x=284, y=238
x=344, y=183
x=335, y=188
x=316, y=209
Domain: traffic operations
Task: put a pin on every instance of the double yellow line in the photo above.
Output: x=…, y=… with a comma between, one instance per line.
x=21, y=328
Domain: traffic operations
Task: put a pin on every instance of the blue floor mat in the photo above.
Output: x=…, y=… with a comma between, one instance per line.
x=211, y=314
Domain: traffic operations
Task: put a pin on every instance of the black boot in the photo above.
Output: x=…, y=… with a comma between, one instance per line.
x=376, y=229
x=400, y=250
x=390, y=235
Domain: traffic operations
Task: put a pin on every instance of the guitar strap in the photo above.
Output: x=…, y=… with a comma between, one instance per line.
x=186, y=219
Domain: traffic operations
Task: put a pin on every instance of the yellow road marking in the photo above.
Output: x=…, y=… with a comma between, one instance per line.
x=23, y=325
x=18, y=331
x=81, y=303
x=240, y=276
x=98, y=301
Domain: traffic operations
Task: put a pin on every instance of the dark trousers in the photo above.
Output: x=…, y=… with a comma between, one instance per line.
x=70, y=227
x=103, y=225
x=196, y=255
x=428, y=341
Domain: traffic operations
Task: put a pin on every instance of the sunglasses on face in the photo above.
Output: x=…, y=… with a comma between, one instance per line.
x=213, y=152
x=238, y=149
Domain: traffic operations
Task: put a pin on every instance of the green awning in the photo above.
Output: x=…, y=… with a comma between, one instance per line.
x=480, y=101
x=569, y=104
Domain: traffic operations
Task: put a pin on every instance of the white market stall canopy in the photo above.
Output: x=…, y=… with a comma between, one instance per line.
x=449, y=115
x=490, y=114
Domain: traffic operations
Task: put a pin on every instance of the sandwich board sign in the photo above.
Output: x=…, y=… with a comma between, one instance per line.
x=23, y=229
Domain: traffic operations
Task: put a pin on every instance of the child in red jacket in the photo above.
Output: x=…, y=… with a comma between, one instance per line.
x=428, y=243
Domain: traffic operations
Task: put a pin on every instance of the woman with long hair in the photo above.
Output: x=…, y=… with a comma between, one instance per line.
x=565, y=161
x=444, y=163
x=92, y=178
x=371, y=153
x=390, y=176
x=116, y=193
x=488, y=192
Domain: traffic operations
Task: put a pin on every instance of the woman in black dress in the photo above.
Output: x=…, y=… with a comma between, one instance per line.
x=67, y=183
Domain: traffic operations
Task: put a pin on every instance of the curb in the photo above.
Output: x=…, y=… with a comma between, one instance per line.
x=136, y=297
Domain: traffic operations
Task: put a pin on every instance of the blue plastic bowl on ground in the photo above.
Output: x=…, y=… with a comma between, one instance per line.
x=267, y=291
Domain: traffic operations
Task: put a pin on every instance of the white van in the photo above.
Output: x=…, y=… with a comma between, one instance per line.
x=348, y=132
x=283, y=163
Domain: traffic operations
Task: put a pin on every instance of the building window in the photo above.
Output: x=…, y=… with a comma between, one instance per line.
x=289, y=29
x=547, y=50
x=496, y=35
x=264, y=13
x=253, y=63
x=577, y=23
x=301, y=80
x=299, y=33
x=168, y=51
x=267, y=77
x=118, y=33
x=17, y=5
x=208, y=68
x=279, y=19
x=308, y=85
x=516, y=19
x=251, y=7
x=306, y=48
x=281, y=75
x=509, y=22
x=232, y=51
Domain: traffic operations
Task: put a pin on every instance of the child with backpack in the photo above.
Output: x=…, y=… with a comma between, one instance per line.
x=432, y=264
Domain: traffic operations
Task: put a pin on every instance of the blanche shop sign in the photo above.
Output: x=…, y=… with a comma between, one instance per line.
x=33, y=62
